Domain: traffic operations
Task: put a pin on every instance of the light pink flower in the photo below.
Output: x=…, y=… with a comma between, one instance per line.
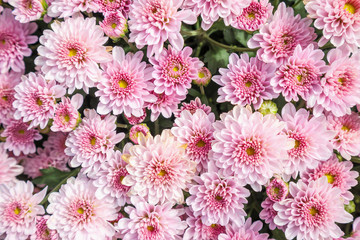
x=36, y=99
x=356, y=228
x=138, y=129
x=7, y=83
x=108, y=6
x=313, y=211
x=254, y=16
x=174, y=71
x=71, y=51
x=67, y=8
x=76, y=212
x=278, y=38
x=218, y=199
x=277, y=189
x=152, y=22
x=20, y=138
x=8, y=167
x=245, y=81
x=192, y=106
x=15, y=37
x=114, y=25
x=246, y=231
x=42, y=230
x=18, y=209
x=249, y=146
x=159, y=170
x=268, y=214
x=27, y=10
x=195, y=131
x=147, y=221
x=339, y=20
x=125, y=84
x=347, y=138
x=56, y=145
x=92, y=141
x=203, y=77
x=338, y=174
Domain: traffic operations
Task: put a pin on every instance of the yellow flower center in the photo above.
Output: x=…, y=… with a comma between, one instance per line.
x=248, y=84
x=330, y=178
x=3, y=41
x=121, y=178
x=21, y=131
x=5, y=98
x=218, y=198
x=251, y=15
x=80, y=210
x=299, y=78
x=162, y=173
x=201, y=75
x=250, y=151
x=276, y=190
x=345, y=128
x=123, y=84
x=175, y=69
x=67, y=118
x=200, y=143
x=150, y=228
x=350, y=8
x=297, y=143
x=341, y=81
x=313, y=211
x=17, y=210
x=213, y=225
x=39, y=102
x=72, y=52
x=93, y=141
x=113, y=25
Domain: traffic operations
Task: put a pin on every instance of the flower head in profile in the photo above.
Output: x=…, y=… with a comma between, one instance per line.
x=8, y=167
x=67, y=8
x=136, y=130
x=192, y=106
x=8, y=81
x=248, y=230
x=277, y=189
x=114, y=25
x=27, y=10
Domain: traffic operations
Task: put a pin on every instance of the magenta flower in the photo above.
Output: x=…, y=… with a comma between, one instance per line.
x=277, y=189
x=108, y=6
x=152, y=22
x=27, y=10
x=245, y=81
x=277, y=39
x=8, y=167
x=114, y=25
x=8, y=81
x=67, y=8
x=248, y=230
x=56, y=145
x=192, y=106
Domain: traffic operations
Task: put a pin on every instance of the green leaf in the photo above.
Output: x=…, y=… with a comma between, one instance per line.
x=241, y=36
x=51, y=176
x=229, y=36
x=216, y=58
x=278, y=234
x=194, y=93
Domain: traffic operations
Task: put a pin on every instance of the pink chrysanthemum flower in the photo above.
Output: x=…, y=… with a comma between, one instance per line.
x=108, y=6
x=277, y=39
x=71, y=51
x=147, y=221
x=36, y=99
x=246, y=231
x=341, y=84
x=277, y=189
x=203, y=77
x=8, y=167
x=18, y=209
x=15, y=38
x=66, y=114
x=245, y=81
x=300, y=75
x=339, y=20
x=192, y=107
x=218, y=200
x=136, y=120
x=313, y=211
x=268, y=214
x=356, y=228
x=67, y=8
x=20, y=138
x=109, y=180
x=76, y=212
x=249, y=146
x=56, y=144
x=8, y=81
x=125, y=84
x=164, y=104
x=312, y=140
x=254, y=16
x=159, y=170
x=136, y=130
x=114, y=25
x=197, y=230
x=27, y=10
x=152, y=22
x=338, y=174
x=347, y=138
x=42, y=230
x=195, y=131
x=92, y=141
x=174, y=71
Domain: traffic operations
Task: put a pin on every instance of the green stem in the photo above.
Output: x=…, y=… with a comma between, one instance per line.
x=327, y=45
x=202, y=91
x=120, y=125
x=227, y=47
x=133, y=48
x=157, y=127
x=296, y=3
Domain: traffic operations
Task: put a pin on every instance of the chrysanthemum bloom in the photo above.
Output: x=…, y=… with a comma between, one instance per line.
x=108, y=6
x=218, y=200
x=164, y=104
x=159, y=169
x=42, y=230
x=268, y=107
x=339, y=20
x=76, y=212
x=18, y=209
x=70, y=53
x=136, y=130
x=192, y=106
x=67, y=8
x=174, y=70
x=341, y=84
x=245, y=81
x=152, y=22
x=92, y=141
x=125, y=84
x=247, y=231
x=27, y=10
x=136, y=120
x=7, y=83
x=249, y=146
x=15, y=38
x=56, y=144
x=19, y=138
x=268, y=214
x=312, y=140
x=114, y=25
x=254, y=16
x=300, y=75
x=66, y=116
x=8, y=167
x=277, y=189
x=278, y=38
x=109, y=180
x=203, y=77
x=147, y=221
x=338, y=174
x=195, y=131
x=313, y=211
x=36, y=99
x=197, y=230
x=347, y=138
